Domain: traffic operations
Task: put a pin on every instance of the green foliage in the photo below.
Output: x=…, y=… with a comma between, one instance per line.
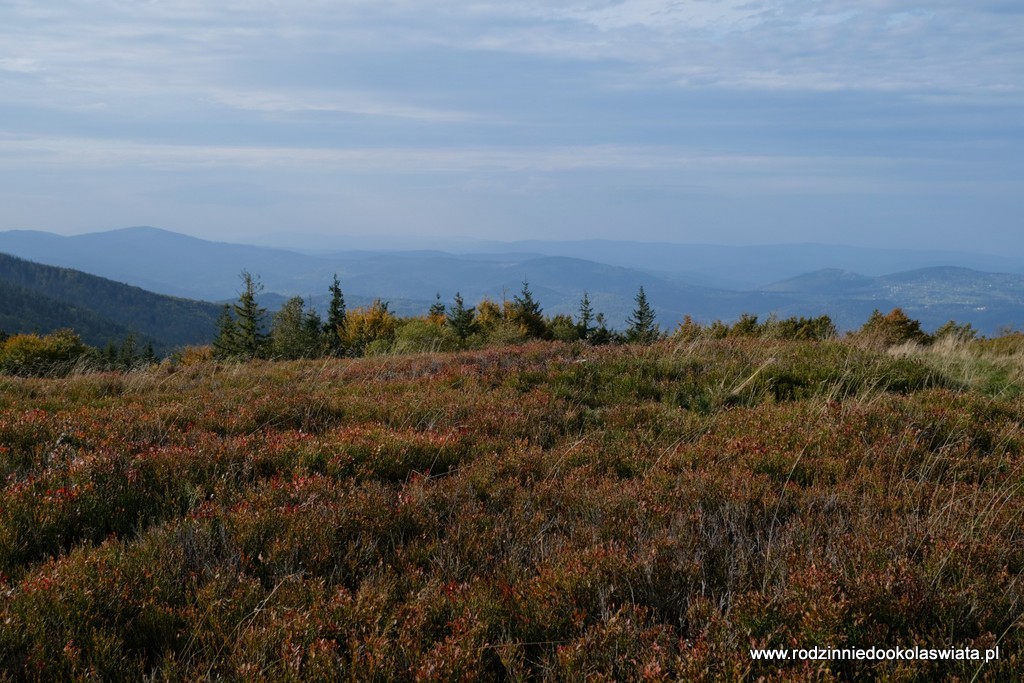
x=334, y=328
x=526, y=313
x=250, y=337
x=891, y=329
x=562, y=328
x=462, y=319
x=643, y=328
x=42, y=299
x=125, y=357
x=601, y=335
x=295, y=332
x=956, y=331
x=374, y=325
x=489, y=315
x=800, y=328
x=47, y=355
x=436, y=314
x=225, y=343
x=688, y=330
x=423, y=336
x=747, y=326
x=585, y=317
x=240, y=328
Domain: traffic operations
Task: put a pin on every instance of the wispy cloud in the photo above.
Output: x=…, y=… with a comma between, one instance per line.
x=728, y=96
x=784, y=172
x=334, y=101
x=18, y=65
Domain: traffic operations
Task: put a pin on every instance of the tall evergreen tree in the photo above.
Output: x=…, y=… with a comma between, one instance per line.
x=462, y=320
x=527, y=313
x=128, y=354
x=436, y=314
x=225, y=344
x=334, y=328
x=314, y=327
x=585, y=318
x=249, y=315
x=601, y=334
x=642, y=326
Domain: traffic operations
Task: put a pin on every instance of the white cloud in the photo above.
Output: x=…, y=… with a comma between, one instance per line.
x=347, y=102
x=18, y=65
x=769, y=170
x=957, y=46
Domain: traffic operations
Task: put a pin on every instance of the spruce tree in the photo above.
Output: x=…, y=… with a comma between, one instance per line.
x=250, y=337
x=334, y=328
x=225, y=344
x=127, y=355
x=462, y=320
x=436, y=314
x=601, y=334
x=527, y=313
x=313, y=333
x=642, y=326
x=586, y=317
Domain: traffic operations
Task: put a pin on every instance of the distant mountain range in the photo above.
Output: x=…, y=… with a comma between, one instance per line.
x=725, y=267
x=40, y=298
x=706, y=282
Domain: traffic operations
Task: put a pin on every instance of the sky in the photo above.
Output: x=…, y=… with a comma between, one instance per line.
x=873, y=123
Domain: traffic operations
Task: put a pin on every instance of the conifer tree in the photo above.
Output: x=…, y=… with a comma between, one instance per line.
x=585, y=318
x=527, y=313
x=127, y=355
x=462, y=320
x=601, y=334
x=642, y=326
x=313, y=333
x=334, y=328
x=250, y=337
x=224, y=343
x=436, y=314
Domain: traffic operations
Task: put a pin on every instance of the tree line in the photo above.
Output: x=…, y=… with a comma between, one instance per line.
x=245, y=329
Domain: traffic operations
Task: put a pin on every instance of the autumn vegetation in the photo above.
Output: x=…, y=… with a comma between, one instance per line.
x=518, y=508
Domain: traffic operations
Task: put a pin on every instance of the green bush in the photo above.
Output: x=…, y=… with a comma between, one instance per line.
x=893, y=328
x=33, y=355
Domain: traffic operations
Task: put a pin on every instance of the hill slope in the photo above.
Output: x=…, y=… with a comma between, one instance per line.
x=42, y=298
x=25, y=311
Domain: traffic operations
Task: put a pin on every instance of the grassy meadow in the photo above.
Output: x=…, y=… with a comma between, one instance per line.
x=541, y=512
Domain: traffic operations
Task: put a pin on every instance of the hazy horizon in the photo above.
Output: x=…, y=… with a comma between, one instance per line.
x=885, y=124
x=306, y=242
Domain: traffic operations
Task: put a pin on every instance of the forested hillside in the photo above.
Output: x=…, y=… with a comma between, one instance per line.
x=38, y=298
x=23, y=311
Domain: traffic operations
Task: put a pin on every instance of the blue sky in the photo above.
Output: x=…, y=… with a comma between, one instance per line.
x=877, y=122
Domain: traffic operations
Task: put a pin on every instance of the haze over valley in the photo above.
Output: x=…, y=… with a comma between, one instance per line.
x=706, y=282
